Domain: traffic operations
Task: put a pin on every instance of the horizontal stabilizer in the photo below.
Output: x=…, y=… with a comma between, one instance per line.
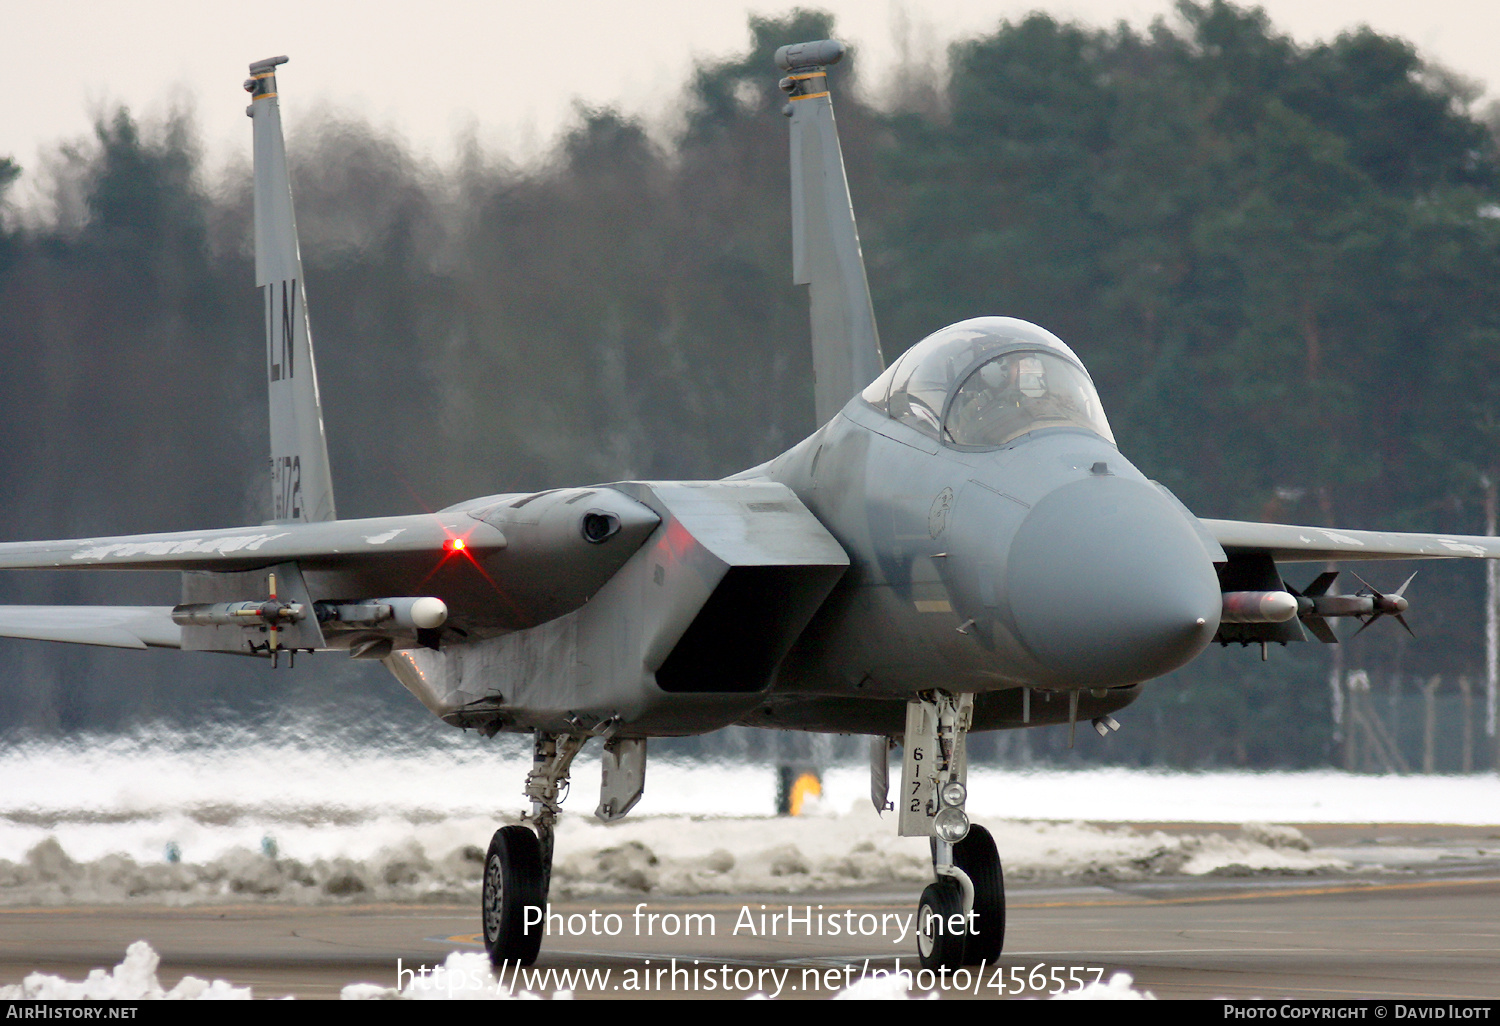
x=111, y=626
x=1290, y=544
x=327, y=544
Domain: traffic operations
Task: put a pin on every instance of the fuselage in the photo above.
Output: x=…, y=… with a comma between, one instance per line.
x=1048, y=561
x=969, y=526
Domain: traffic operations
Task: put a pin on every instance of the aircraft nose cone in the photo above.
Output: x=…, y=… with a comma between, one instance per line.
x=1109, y=584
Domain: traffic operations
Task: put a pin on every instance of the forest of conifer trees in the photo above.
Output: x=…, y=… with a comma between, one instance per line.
x=1280, y=262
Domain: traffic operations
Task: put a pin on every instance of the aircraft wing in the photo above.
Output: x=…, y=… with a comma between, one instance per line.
x=111, y=626
x=364, y=545
x=499, y=563
x=329, y=544
x=1287, y=543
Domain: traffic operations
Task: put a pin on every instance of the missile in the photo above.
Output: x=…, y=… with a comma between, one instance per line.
x=1258, y=607
x=256, y=613
x=1340, y=605
x=1368, y=605
x=423, y=613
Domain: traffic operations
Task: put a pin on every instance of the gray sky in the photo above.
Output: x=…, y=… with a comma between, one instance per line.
x=509, y=73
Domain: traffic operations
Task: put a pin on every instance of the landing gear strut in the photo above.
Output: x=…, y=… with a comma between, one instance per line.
x=961, y=915
x=518, y=866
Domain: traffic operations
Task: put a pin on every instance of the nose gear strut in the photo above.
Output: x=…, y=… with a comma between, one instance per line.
x=961, y=916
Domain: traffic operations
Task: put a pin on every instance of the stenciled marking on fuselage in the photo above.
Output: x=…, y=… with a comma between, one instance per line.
x=937, y=517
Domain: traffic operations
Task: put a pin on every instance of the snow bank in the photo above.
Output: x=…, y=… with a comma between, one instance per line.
x=302, y=819
x=463, y=976
x=134, y=979
x=661, y=855
x=1121, y=987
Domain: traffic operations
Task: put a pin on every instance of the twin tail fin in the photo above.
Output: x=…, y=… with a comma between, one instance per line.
x=301, y=485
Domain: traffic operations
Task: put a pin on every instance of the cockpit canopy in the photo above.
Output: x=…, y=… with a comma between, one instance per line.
x=984, y=382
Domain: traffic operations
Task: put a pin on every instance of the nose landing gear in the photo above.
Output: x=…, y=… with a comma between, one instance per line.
x=961, y=915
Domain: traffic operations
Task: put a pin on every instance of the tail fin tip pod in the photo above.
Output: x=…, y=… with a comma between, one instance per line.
x=301, y=484
x=826, y=253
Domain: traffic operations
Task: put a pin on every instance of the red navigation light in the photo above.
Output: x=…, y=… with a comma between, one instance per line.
x=455, y=545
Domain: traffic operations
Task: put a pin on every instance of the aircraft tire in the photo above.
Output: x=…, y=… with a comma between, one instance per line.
x=937, y=946
x=976, y=855
x=512, y=882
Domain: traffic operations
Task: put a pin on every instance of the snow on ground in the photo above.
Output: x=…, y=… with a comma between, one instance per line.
x=162, y=821
x=657, y=855
x=157, y=820
x=463, y=975
x=134, y=979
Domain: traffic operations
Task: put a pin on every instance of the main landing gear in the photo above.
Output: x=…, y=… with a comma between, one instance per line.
x=961, y=914
x=518, y=865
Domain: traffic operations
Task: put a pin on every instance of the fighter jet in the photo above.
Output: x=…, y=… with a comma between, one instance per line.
x=959, y=547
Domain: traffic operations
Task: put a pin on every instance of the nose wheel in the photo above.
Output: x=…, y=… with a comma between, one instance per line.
x=977, y=857
x=950, y=935
x=941, y=925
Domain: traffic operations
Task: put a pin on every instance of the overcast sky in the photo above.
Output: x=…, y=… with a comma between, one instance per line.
x=510, y=73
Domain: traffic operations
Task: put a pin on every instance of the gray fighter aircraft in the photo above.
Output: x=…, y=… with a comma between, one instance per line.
x=960, y=546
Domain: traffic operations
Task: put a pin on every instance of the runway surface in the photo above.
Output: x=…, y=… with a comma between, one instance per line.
x=1422, y=922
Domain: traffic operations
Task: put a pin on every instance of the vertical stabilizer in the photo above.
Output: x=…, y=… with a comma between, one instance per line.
x=825, y=241
x=301, y=487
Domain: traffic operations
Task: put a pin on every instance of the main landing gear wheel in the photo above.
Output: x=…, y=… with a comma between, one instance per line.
x=939, y=946
x=512, y=882
x=976, y=856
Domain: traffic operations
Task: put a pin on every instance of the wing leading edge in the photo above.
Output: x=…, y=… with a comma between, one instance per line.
x=1287, y=543
x=330, y=544
x=336, y=545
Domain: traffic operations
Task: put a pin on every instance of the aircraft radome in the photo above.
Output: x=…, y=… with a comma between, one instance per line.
x=959, y=547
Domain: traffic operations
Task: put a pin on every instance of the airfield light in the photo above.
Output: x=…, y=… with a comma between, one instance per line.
x=954, y=793
x=951, y=824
